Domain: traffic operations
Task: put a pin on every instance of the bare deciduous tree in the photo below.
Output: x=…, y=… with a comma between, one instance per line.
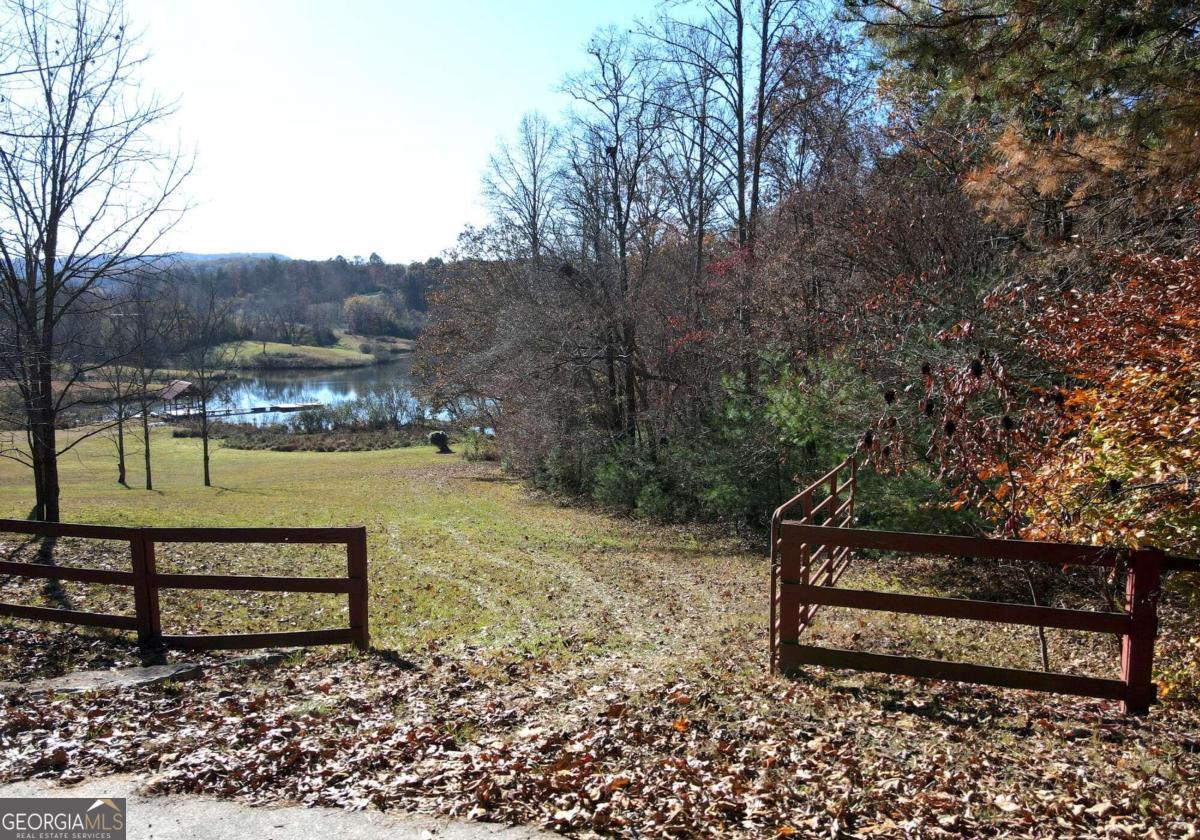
x=204, y=327
x=520, y=184
x=151, y=314
x=84, y=195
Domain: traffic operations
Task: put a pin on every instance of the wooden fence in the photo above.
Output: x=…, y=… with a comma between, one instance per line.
x=146, y=581
x=798, y=591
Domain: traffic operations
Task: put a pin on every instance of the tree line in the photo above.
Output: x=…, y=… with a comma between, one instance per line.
x=772, y=232
x=302, y=301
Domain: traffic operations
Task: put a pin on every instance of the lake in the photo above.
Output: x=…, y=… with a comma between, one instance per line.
x=328, y=387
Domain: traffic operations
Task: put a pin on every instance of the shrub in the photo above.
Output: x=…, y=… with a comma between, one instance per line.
x=618, y=480
x=563, y=470
x=653, y=502
x=479, y=446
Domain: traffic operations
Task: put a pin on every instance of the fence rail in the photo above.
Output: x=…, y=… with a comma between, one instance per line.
x=829, y=513
x=825, y=531
x=146, y=582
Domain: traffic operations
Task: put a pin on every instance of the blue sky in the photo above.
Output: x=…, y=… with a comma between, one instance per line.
x=324, y=128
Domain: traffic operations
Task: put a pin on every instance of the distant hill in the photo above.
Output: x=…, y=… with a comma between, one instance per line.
x=242, y=255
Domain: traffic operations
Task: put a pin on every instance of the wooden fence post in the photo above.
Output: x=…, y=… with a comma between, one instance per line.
x=1142, y=588
x=792, y=569
x=804, y=563
x=145, y=592
x=356, y=568
x=831, y=516
x=853, y=488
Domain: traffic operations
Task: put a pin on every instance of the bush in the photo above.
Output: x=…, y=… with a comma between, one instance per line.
x=756, y=449
x=387, y=409
x=653, y=502
x=479, y=446
x=618, y=480
x=563, y=470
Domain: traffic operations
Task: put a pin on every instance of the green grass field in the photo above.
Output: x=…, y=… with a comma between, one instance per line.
x=457, y=551
x=461, y=553
x=349, y=341
x=562, y=657
x=252, y=354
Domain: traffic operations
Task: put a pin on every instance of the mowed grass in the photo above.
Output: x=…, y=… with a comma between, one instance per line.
x=458, y=553
x=279, y=354
x=561, y=649
x=350, y=341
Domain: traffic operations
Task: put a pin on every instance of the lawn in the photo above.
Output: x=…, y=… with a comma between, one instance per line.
x=349, y=341
x=557, y=666
x=456, y=551
x=275, y=354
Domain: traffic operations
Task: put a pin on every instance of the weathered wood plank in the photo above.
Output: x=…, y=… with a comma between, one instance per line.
x=1174, y=563
x=88, y=619
x=254, y=583
x=65, y=529
x=316, y=536
x=1002, y=613
x=794, y=655
x=40, y=570
x=238, y=641
x=1045, y=552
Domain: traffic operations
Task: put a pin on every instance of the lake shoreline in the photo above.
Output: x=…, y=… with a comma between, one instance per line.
x=349, y=353
x=304, y=363
x=330, y=386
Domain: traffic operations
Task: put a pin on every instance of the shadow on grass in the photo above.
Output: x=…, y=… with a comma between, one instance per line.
x=492, y=479
x=965, y=706
x=52, y=589
x=393, y=658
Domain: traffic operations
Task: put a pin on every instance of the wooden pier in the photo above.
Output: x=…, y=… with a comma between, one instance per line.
x=188, y=412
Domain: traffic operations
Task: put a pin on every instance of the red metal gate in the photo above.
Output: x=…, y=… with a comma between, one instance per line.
x=824, y=532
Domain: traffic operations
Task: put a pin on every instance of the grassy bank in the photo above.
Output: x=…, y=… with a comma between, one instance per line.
x=350, y=341
x=277, y=355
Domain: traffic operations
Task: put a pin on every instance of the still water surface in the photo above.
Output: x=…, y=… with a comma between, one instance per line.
x=328, y=387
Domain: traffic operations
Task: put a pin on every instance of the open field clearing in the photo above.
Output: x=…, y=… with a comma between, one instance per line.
x=275, y=354
x=560, y=667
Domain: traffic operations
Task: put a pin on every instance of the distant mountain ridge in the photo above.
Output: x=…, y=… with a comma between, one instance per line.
x=187, y=256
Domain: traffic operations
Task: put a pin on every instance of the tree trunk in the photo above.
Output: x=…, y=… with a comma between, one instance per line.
x=42, y=444
x=146, y=443
x=760, y=114
x=614, y=406
x=739, y=57
x=121, y=479
x=628, y=338
x=204, y=441
x=45, y=471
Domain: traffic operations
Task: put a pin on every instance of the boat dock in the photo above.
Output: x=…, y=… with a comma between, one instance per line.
x=187, y=412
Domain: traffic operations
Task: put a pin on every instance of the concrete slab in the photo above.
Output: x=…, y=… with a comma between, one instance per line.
x=181, y=817
x=79, y=681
